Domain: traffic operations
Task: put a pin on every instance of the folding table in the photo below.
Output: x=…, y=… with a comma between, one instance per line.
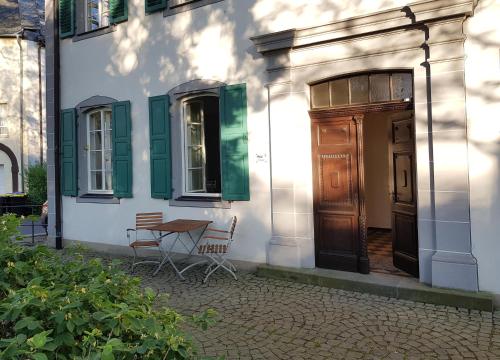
x=179, y=226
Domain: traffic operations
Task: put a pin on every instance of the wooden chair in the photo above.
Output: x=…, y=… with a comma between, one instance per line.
x=143, y=223
x=216, y=245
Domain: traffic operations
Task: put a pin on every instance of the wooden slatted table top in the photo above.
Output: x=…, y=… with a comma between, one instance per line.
x=181, y=225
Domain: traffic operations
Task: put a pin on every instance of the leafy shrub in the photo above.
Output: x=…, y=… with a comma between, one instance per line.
x=36, y=182
x=55, y=308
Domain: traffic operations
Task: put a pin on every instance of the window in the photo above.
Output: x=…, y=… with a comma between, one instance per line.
x=4, y=129
x=97, y=14
x=177, y=6
x=99, y=166
x=362, y=89
x=201, y=147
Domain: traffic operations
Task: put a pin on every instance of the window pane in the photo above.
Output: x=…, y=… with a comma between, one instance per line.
x=195, y=180
x=95, y=121
x=402, y=87
x=105, y=13
x=195, y=157
x=95, y=160
x=107, y=140
x=108, y=165
x=92, y=14
x=359, y=89
x=95, y=141
x=320, y=95
x=379, y=87
x=107, y=120
x=339, y=90
x=194, y=134
x=194, y=112
x=96, y=180
x=109, y=180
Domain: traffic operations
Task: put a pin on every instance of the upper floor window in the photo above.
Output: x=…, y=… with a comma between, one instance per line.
x=362, y=89
x=99, y=145
x=201, y=148
x=97, y=14
x=4, y=129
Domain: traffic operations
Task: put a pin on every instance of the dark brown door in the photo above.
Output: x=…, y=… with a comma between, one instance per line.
x=336, y=192
x=403, y=191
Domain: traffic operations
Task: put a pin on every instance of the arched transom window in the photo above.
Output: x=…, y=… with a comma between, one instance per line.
x=362, y=89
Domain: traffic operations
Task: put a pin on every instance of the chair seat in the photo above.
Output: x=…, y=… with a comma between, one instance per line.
x=150, y=243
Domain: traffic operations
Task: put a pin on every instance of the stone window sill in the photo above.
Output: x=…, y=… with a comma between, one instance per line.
x=200, y=202
x=94, y=33
x=178, y=6
x=97, y=199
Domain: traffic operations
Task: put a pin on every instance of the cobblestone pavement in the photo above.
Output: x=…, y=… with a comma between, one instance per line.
x=261, y=318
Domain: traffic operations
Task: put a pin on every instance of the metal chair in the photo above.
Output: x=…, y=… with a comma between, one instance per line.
x=144, y=222
x=216, y=248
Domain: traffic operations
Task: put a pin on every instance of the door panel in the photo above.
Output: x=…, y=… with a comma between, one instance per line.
x=403, y=186
x=403, y=181
x=336, y=190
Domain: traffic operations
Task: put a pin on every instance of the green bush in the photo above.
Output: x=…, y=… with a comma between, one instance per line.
x=36, y=182
x=55, y=308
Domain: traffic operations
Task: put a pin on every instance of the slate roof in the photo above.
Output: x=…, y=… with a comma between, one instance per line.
x=17, y=15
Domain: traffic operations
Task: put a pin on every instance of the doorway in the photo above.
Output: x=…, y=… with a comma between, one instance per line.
x=365, y=211
x=382, y=166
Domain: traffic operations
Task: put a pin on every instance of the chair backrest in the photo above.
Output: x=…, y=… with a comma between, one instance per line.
x=234, y=220
x=148, y=220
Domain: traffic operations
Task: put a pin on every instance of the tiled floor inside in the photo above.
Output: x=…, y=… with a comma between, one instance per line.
x=380, y=252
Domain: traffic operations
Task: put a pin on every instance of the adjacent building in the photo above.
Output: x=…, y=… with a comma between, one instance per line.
x=353, y=135
x=22, y=90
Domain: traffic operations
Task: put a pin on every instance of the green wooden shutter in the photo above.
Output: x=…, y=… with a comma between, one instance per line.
x=69, y=160
x=159, y=145
x=66, y=18
x=118, y=11
x=154, y=5
x=122, y=149
x=234, y=143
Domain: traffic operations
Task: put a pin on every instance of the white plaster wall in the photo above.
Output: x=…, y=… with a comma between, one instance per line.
x=6, y=175
x=376, y=152
x=483, y=109
x=9, y=93
x=32, y=102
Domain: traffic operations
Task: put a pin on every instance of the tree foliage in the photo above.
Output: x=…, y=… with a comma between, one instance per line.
x=36, y=182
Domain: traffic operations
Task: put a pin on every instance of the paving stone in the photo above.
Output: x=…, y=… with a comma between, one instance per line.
x=260, y=318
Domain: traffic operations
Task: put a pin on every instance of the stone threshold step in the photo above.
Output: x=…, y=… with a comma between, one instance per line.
x=382, y=285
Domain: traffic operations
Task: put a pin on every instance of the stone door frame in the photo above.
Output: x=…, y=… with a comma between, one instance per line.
x=426, y=38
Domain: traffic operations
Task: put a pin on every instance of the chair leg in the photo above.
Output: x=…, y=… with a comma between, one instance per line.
x=133, y=261
x=219, y=264
x=231, y=265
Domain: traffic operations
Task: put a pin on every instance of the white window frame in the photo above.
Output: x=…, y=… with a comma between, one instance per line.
x=4, y=126
x=185, y=159
x=102, y=13
x=103, y=148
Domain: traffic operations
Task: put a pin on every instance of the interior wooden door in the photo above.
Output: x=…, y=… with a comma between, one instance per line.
x=336, y=177
x=403, y=191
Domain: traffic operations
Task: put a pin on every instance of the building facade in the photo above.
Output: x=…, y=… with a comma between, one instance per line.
x=22, y=91
x=317, y=124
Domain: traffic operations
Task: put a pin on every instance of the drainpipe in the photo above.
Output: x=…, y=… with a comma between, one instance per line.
x=40, y=105
x=21, y=105
x=57, y=119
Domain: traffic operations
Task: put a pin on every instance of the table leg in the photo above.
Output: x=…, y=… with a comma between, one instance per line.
x=195, y=246
x=166, y=256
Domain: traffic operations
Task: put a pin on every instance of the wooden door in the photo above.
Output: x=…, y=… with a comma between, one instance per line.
x=337, y=205
x=403, y=192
